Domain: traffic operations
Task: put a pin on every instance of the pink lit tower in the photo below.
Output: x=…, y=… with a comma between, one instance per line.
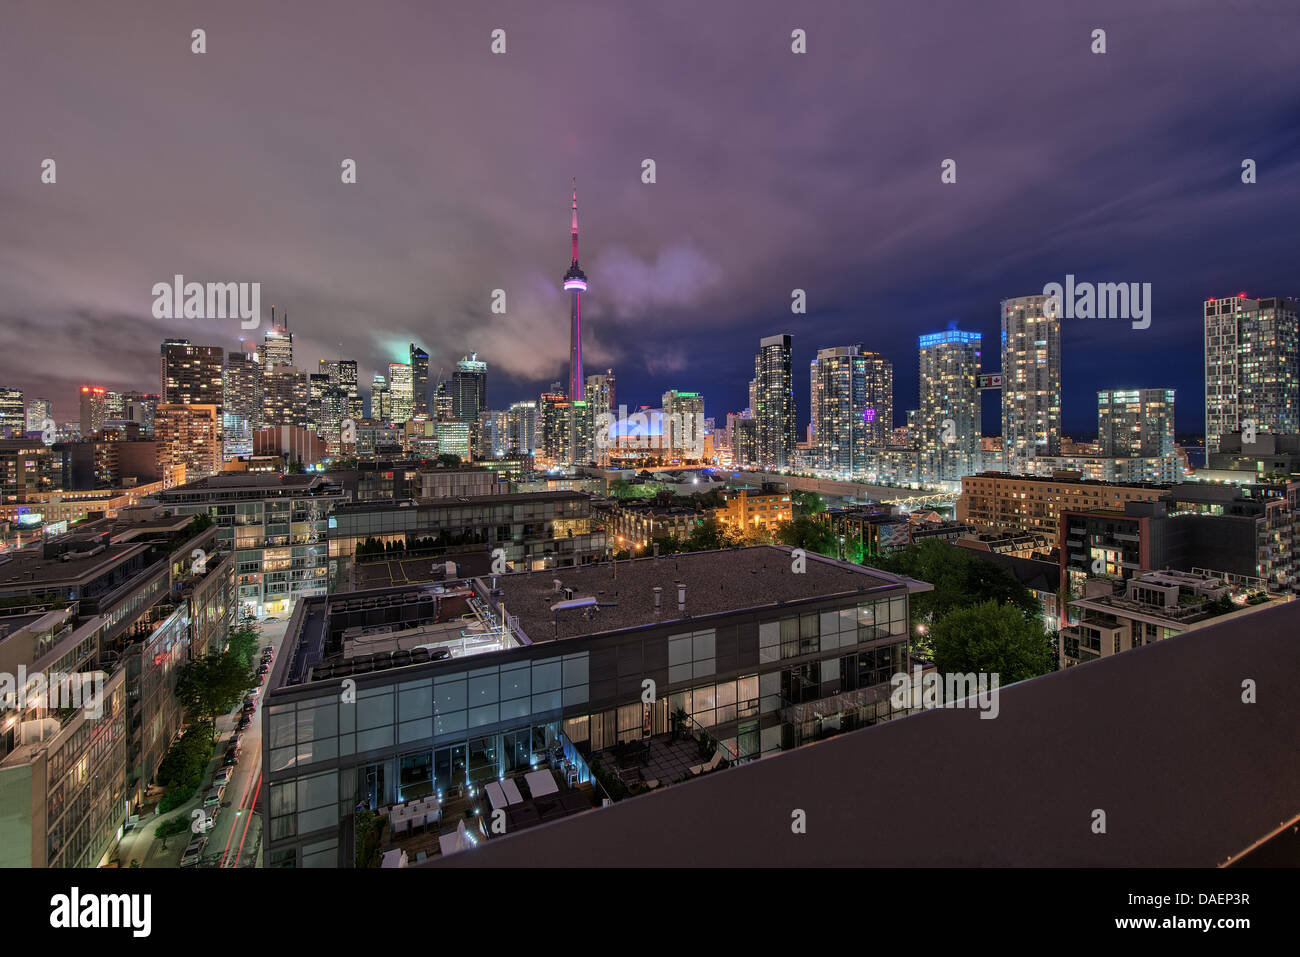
x=575, y=283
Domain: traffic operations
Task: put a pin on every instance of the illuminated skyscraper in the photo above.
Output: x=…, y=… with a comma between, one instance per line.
x=38, y=410
x=950, y=420
x=277, y=344
x=1031, y=381
x=419, y=381
x=343, y=373
x=188, y=435
x=683, y=423
x=575, y=283
x=284, y=397
x=192, y=373
x=1250, y=367
x=13, y=417
x=381, y=400
x=523, y=427
x=773, y=394
x=94, y=409
x=401, y=386
x=838, y=395
x=469, y=388
x=1135, y=423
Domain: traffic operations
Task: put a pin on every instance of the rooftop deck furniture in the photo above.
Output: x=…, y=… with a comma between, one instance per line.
x=541, y=783
x=511, y=791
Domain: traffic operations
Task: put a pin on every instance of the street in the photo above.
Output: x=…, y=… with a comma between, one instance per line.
x=236, y=838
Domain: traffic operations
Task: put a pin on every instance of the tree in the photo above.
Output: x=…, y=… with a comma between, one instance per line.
x=447, y=460
x=210, y=686
x=170, y=828
x=991, y=638
x=808, y=534
x=960, y=579
x=807, y=503
x=711, y=534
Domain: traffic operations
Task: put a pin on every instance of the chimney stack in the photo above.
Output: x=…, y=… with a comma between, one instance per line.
x=681, y=596
x=659, y=598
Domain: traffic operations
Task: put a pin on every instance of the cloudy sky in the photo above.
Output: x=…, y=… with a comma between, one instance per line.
x=775, y=171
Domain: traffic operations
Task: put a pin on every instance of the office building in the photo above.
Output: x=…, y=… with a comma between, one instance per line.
x=285, y=395
x=419, y=381
x=381, y=400
x=13, y=415
x=454, y=439
x=343, y=373
x=401, y=392
x=469, y=388
x=1251, y=372
x=773, y=402
x=277, y=344
x=38, y=411
x=1031, y=380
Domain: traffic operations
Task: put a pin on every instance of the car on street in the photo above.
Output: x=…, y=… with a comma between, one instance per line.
x=193, y=852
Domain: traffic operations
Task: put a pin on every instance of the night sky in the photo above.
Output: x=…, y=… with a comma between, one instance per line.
x=775, y=171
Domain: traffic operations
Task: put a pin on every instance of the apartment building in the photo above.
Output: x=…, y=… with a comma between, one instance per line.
x=461, y=684
x=277, y=527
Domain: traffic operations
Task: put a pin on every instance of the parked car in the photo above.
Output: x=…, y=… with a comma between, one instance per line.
x=244, y=722
x=231, y=758
x=222, y=778
x=193, y=852
x=213, y=797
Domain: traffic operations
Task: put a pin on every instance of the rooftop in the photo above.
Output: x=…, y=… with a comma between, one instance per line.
x=234, y=481
x=450, y=502
x=716, y=582
x=1204, y=781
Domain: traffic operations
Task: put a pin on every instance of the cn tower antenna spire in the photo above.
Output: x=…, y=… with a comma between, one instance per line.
x=575, y=219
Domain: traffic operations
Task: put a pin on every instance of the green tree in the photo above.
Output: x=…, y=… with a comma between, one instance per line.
x=210, y=686
x=991, y=638
x=960, y=579
x=808, y=534
x=447, y=460
x=170, y=828
x=807, y=503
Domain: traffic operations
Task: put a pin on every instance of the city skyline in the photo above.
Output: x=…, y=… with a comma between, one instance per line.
x=376, y=271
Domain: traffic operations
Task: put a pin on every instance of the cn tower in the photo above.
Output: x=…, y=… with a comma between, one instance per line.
x=575, y=282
